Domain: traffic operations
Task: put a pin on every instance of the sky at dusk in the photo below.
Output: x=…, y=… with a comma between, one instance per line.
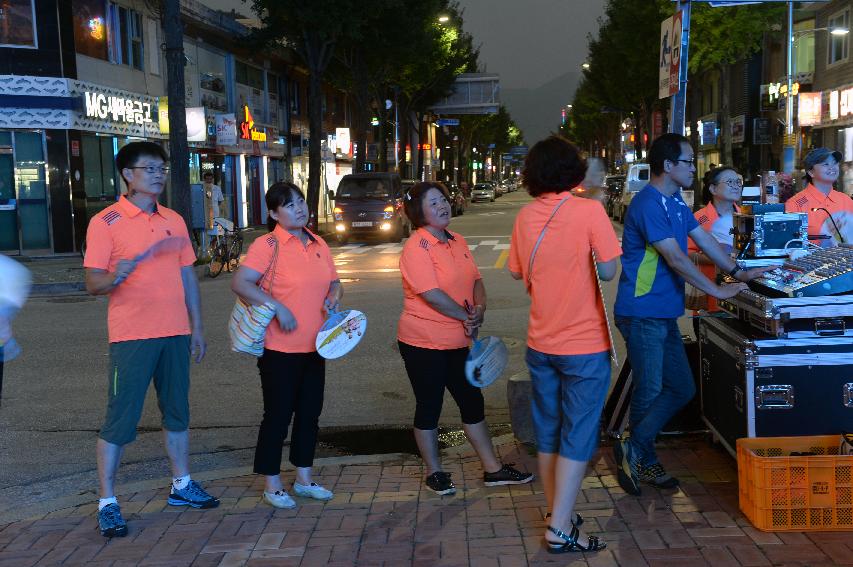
x=537, y=47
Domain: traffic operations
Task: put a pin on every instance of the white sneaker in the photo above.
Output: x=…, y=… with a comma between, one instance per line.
x=279, y=499
x=312, y=490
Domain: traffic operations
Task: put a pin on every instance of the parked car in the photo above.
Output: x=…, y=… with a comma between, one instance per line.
x=499, y=191
x=370, y=204
x=458, y=202
x=483, y=192
x=637, y=178
x=614, y=187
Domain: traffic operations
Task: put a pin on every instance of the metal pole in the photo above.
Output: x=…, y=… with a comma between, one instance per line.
x=679, y=100
x=788, y=146
x=397, y=133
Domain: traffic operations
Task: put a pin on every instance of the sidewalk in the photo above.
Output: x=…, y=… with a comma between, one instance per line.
x=382, y=515
x=55, y=275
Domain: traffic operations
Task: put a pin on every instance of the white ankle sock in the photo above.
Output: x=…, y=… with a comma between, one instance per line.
x=104, y=502
x=181, y=482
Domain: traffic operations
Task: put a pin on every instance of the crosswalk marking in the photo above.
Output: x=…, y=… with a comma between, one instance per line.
x=392, y=250
x=488, y=242
x=348, y=250
x=501, y=247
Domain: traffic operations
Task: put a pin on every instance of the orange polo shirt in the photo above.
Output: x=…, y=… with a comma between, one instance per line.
x=301, y=282
x=150, y=303
x=708, y=217
x=839, y=205
x=566, y=312
x=426, y=263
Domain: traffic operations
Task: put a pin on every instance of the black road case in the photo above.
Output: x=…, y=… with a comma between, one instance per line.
x=773, y=387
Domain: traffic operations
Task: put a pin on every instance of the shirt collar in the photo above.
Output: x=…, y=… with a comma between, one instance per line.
x=429, y=237
x=127, y=206
x=553, y=198
x=814, y=194
x=283, y=235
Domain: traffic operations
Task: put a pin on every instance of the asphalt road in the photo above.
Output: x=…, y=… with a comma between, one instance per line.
x=54, y=394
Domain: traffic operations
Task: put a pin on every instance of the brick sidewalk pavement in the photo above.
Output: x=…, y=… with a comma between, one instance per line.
x=382, y=515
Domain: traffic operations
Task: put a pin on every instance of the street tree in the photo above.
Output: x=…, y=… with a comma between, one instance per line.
x=722, y=36
x=312, y=30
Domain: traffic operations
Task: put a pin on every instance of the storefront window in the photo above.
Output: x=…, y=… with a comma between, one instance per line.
x=272, y=89
x=837, y=49
x=211, y=69
x=250, y=89
x=90, y=28
x=17, y=23
x=99, y=175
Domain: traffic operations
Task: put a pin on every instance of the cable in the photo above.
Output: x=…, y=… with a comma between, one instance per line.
x=832, y=220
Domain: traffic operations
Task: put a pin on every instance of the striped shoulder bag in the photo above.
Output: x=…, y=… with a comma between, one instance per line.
x=248, y=323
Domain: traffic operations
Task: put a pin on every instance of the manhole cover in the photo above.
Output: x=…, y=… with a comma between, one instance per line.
x=75, y=299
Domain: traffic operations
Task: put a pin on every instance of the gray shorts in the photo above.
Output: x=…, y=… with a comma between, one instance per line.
x=132, y=366
x=568, y=395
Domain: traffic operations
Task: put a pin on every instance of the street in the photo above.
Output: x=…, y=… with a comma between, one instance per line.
x=54, y=394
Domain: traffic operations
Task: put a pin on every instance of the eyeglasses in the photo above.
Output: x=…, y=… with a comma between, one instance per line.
x=688, y=161
x=733, y=183
x=152, y=169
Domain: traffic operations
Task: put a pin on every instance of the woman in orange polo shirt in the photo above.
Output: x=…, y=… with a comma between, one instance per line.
x=721, y=191
x=568, y=340
x=444, y=301
x=305, y=284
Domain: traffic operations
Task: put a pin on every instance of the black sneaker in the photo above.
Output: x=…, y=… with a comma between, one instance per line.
x=626, y=468
x=440, y=483
x=193, y=495
x=657, y=476
x=507, y=475
x=110, y=521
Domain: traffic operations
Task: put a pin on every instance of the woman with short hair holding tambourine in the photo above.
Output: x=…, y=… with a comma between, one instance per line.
x=444, y=302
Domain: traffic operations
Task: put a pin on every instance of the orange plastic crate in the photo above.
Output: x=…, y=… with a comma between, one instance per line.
x=780, y=492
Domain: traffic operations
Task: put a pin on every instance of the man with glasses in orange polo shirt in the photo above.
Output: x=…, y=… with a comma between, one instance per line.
x=154, y=322
x=830, y=211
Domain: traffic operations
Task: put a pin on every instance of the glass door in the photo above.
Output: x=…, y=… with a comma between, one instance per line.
x=33, y=211
x=8, y=205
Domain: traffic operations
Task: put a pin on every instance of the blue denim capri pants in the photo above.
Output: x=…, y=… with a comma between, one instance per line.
x=568, y=395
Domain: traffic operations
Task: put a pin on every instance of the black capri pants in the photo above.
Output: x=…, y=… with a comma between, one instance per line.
x=293, y=385
x=430, y=372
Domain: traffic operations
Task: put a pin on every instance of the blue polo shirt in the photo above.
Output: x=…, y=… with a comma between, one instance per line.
x=648, y=287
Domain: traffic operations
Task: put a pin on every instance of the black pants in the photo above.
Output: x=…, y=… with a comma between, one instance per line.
x=293, y=386
x=430, y=372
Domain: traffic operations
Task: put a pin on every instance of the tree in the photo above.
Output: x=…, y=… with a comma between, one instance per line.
x=312, y=30
x=722, y=36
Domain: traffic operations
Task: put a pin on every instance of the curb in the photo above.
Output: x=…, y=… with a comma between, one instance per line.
x=36, y=511
x=58, y=288
x=43, y=508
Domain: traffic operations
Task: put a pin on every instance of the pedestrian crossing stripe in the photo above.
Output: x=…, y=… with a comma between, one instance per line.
x=396, y=248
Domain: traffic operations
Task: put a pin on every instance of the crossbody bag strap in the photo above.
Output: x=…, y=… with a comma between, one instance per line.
x=270, y=270
x=539, y=240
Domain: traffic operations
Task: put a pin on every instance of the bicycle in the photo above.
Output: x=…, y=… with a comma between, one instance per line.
x=226, y=245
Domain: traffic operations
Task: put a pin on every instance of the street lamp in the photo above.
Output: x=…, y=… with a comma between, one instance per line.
x=585, y=65
x=443, y=19
x=788, y=147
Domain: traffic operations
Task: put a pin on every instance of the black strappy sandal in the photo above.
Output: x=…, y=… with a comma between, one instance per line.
x=578, y=519
x=570, y=543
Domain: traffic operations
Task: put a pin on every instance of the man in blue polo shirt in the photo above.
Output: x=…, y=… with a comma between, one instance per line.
x=650, y=300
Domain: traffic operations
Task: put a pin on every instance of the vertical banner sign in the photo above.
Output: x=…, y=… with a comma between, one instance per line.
x=675, y=60
x=665, y=58
x=657, y=124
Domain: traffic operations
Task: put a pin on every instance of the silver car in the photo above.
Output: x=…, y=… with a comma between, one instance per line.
x=483, y=192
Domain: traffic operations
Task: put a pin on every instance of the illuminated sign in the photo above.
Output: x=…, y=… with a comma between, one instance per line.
x=840, y=103
x=809, y=105
x=778, y=90
x=117, y=109
x=247, y=128
x=96, y=28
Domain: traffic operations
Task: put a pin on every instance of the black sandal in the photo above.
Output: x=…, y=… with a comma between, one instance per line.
x=570, y=542
x=578, y=519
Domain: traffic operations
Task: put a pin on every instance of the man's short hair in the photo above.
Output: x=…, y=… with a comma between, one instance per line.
x=129, y=155
x=666, y=147
x=413, y=204
x=207, y=174
x=553, y=165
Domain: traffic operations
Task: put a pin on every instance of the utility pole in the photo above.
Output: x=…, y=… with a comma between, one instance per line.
x=788, y=145
x=179, y=155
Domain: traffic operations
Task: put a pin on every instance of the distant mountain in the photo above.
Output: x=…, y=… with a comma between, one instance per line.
x=537, y=110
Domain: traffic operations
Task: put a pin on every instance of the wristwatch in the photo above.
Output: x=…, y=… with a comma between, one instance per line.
x=735, y=270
